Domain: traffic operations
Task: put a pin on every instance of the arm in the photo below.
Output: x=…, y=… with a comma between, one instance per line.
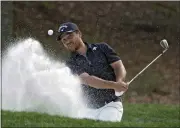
x=115, y=62
x=119, y=70
x=120, y=73
x=118, y=67
x=96, y=82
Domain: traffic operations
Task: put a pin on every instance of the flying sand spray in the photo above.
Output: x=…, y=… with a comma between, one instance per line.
x=31, y=81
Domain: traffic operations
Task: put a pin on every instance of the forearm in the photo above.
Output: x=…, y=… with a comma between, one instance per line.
x=96, y=82
x=99, y=83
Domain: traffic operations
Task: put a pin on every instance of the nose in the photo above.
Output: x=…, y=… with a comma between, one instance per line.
x=66, y=38
x=67, y=42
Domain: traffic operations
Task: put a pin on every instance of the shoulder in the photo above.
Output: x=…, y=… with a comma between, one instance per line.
x=100, y=45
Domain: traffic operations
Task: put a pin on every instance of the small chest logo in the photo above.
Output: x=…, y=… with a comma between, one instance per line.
x=94, y=48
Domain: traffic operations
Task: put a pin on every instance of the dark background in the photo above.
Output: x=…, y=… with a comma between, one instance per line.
x=133, y=29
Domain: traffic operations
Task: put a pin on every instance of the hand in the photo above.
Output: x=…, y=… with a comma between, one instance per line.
x=121, y=86
x=84, y=74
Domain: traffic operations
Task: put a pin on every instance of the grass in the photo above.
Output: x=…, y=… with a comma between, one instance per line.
x=135, y=115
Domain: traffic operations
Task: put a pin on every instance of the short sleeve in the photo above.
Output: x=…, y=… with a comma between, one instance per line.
x=110, y=53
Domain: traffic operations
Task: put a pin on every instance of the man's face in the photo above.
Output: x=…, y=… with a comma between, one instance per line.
x=71, y=40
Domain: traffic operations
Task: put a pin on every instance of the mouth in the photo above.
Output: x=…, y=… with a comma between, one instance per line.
x=70, y=45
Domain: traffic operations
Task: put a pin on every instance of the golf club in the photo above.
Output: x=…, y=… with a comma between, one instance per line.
x=165, y=46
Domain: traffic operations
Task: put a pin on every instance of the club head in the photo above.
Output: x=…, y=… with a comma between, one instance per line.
x=164, y=44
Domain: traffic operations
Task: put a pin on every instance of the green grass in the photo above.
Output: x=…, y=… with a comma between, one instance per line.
x=135, y=115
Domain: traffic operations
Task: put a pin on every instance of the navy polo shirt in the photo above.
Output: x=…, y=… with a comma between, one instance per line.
x=97, y=62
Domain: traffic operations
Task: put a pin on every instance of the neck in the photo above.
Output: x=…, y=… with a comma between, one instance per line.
x=82, y=49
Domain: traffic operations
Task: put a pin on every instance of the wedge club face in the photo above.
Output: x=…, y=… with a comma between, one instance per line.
x=164, y=44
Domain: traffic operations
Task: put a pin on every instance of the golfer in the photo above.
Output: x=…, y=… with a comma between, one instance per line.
x=100, y=69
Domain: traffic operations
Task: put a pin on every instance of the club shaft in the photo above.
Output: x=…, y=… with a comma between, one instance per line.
x=147, y=66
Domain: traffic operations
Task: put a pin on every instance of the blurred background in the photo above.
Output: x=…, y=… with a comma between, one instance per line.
x=133, y=29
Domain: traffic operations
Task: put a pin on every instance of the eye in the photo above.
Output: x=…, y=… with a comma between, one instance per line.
x=70, y=35
x=64, y=40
